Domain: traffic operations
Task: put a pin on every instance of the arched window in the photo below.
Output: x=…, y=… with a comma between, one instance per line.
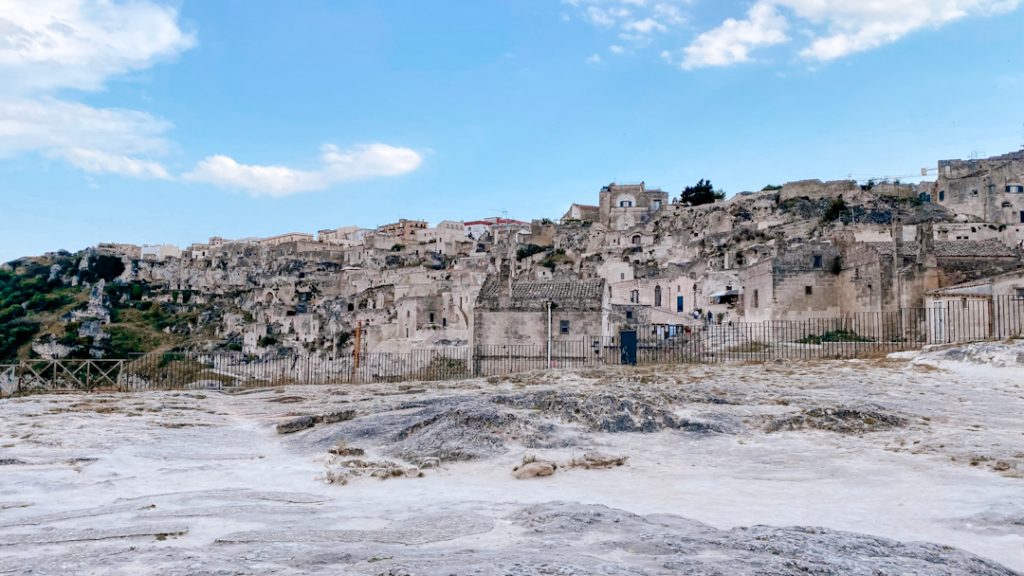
x=637, y=240
x=942, y=195
x=657, y=296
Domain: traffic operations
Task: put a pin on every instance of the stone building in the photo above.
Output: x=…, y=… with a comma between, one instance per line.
x=345, y=236
x=159, y=252
x=444, y=236
x=518, y=313
x=198, y=251
x=824, y=280
x=498, y=228
x=991, y=307
x=582, y=212
x=954, y=262
x=799, y=282
x=404, y=230
x=625, y=206
x=666, y=300
x=989, y=189
x=286, y=238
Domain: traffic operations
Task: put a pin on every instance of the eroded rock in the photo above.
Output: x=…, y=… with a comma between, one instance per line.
x=296, y=425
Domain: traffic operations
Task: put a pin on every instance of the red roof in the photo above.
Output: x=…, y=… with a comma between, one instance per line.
x=494, y=222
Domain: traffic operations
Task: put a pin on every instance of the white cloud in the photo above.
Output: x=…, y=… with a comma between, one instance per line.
x=337, y=166
x=48, y=45
x=96, y=140
x=837, y=28
x=51, y=45
x=645, y=26
x=616, y=49
x=97, y=161
x=851, y=26
x=732, y=42
x=669, y=14
x=833, y=28
x=635, y=20
x=600, y=17
x=593, y=59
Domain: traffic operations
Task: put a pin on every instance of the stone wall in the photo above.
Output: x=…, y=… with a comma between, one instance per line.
x=816, y=189
x=500, y=327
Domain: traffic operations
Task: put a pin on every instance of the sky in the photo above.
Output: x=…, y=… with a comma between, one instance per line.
x=147, y=121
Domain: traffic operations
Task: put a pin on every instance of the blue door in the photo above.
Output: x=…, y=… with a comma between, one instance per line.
x=679, y=303
x=627, y=346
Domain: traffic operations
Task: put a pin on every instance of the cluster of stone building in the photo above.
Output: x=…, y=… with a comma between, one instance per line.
x=635, y=259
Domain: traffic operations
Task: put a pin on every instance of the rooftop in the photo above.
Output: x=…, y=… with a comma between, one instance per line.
x=575, y=294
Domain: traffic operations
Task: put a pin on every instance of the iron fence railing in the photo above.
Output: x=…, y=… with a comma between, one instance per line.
x=950, y=320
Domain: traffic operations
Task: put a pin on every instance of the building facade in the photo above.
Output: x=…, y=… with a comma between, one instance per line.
x=625, y=206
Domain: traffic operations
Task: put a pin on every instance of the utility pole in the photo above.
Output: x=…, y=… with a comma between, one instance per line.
x=358, y=348
x=549, y=334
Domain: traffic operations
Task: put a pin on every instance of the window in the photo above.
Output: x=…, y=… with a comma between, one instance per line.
x=444, y=322
x=629, y=314
x=626, y=204
x=1019, y=293
x=974, y=192
x=1022, y=216
x=817, y=260
x=622, y=275
x=963, y=302
x=942, y=195
x=856, y=273
x=756, y=299
x=431, y=317
x=657, y=296
x=563, y=326
x=1015, y=189
x=657, y=204
x=808, y=290
x=637, y=240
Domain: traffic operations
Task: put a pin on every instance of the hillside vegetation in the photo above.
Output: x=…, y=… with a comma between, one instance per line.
x=47, y=299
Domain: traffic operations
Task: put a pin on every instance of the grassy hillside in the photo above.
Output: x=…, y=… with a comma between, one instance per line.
x=37, y=295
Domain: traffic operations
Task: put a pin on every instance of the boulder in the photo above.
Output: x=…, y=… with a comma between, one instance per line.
x=536, y=469
x=592, y=460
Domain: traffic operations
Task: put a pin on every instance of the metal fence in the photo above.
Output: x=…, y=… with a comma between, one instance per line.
x=858, y=336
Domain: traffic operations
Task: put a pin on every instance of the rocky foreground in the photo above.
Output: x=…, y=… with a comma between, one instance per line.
x=898, y=466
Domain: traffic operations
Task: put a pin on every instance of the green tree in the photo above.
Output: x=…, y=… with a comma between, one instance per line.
x=701, y=193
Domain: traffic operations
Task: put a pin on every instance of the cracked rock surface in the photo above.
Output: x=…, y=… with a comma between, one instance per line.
x=894, y=466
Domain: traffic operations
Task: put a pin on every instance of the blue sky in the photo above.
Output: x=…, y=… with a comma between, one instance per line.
x=151, y=122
